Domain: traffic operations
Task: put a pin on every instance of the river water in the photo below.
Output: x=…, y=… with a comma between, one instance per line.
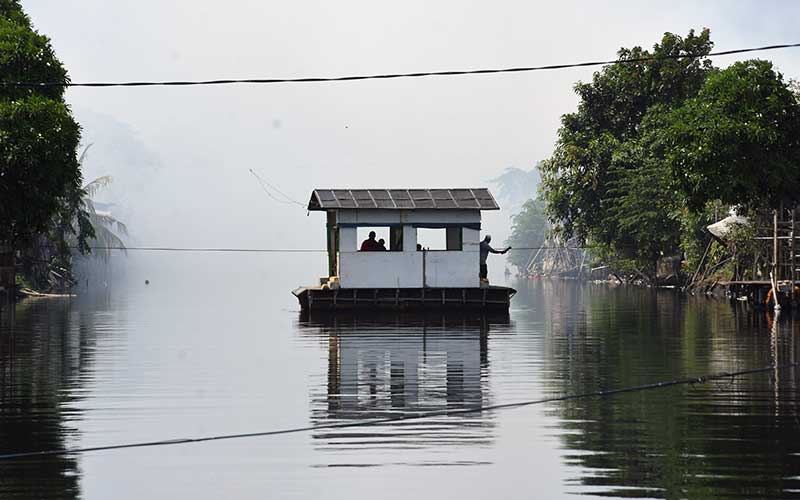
x=217, y=346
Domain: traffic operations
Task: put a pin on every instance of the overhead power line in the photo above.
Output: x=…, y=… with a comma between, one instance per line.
x=388, y=76
x=209, y=249
x=401, y=418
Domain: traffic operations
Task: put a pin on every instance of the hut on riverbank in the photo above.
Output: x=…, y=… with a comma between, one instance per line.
x=777, y=248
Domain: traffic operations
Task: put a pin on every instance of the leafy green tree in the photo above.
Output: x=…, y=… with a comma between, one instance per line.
x=40, y=179
x=737, y=141
x=48, y=263
x=644, y=212
x=600, y=183
x=657, y=150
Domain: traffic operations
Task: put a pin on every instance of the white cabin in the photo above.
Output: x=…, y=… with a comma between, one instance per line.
x=457, y=212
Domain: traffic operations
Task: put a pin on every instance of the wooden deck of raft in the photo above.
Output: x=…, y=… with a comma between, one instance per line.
x=488, y=298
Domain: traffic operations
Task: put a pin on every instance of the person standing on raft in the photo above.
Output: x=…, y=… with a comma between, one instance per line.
x=485, y=250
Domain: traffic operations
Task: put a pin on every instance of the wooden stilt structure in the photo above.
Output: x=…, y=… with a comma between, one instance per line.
x=793, y=271
x=784, y=273
x=774, y=275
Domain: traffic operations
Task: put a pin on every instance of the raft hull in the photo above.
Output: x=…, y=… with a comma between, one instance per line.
x=491, y=298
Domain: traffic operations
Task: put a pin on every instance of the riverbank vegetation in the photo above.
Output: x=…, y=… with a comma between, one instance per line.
x=46, y=214
x=657, y=150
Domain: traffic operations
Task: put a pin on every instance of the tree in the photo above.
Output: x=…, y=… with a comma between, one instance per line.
x=103, y=222
x=516, y=186
x=598, y=184
x=40, y=178
x=737, y=141
x=48, y=261
x=644, y=211
x=528, y=230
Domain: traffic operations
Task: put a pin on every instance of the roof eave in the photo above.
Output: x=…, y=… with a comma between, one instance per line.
x=323, y=200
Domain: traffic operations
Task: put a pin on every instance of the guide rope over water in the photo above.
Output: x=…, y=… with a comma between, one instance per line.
x=416, y=416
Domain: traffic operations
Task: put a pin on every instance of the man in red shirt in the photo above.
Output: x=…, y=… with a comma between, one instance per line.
x=370, y=245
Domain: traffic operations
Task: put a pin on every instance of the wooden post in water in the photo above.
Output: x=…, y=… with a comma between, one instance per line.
x=583, y=258
x=775, y=264
x=792, y=264
x=7, y=267
x=333, y=244
x=424, y=278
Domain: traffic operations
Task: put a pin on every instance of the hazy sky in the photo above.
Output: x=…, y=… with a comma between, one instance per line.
x=457, y=131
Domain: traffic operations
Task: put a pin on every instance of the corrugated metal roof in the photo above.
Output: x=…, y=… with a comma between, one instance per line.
x=407, y=199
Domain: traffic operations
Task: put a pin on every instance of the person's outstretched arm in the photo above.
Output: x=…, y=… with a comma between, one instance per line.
x=492, y=250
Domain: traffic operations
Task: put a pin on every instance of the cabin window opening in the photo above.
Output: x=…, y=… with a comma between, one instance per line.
x=432, y=239
x=384, y=233
x=445, y=238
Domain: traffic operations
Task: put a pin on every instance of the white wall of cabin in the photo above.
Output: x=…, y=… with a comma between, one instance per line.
x=443, y=268
x=380, y=269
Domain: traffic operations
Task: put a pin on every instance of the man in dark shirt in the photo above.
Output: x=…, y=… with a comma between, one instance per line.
x=370, y=245
x=486, y=249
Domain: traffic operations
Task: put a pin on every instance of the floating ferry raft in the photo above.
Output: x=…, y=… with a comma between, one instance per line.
x=404, y=277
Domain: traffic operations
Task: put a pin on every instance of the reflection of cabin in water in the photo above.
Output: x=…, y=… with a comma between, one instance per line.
x=382, y=366
x=370, y=375
x=403, y=276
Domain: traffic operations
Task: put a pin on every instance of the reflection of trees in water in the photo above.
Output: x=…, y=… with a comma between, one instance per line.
x=401, y=366
x=44, y=346
x=738, y=438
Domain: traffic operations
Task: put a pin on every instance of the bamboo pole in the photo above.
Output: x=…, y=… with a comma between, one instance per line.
x=700, y=265
x=774, y=274
x=424, y=277
x=792, y=265
x=580, y=267
x=532, y=260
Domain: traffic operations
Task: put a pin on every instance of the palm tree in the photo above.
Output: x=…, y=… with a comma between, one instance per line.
x=103, y=222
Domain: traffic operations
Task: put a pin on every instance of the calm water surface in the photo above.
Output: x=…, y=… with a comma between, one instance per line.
x=204, y=354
